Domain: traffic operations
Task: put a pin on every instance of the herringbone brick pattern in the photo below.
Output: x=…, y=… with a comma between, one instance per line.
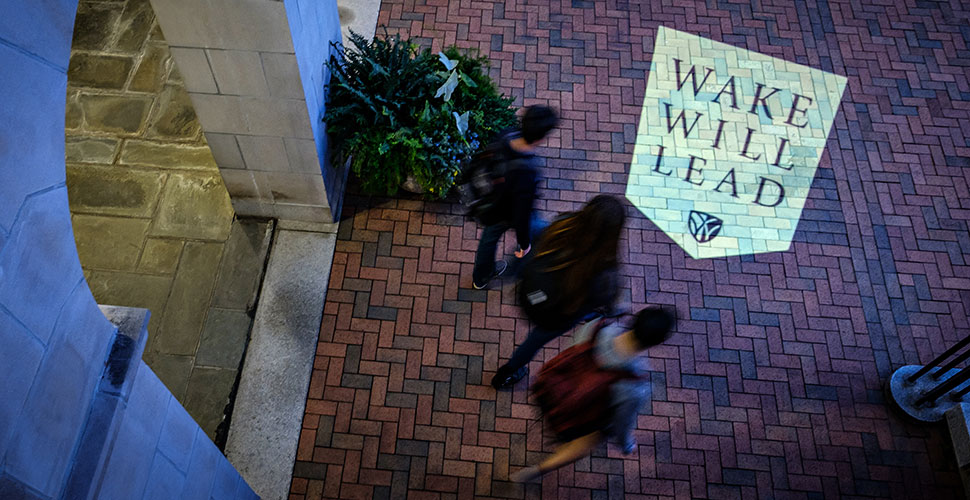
x=773, y=386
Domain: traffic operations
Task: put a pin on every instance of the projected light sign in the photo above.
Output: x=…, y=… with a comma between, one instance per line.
x=728, y=144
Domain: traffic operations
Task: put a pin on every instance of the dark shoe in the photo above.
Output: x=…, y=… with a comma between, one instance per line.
x=500, y=267
x=503, y=379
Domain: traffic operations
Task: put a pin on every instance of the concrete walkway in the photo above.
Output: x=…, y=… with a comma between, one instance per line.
x=275, y=377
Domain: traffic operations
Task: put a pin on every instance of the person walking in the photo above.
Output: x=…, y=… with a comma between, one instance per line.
x=518, y=193
x=594, y=390
x=572, y=274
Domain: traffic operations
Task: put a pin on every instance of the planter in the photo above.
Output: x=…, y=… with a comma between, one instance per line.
x=400, y=112
x=411, y=185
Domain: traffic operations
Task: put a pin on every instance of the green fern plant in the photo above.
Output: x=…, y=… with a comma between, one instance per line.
x=396, y=111
x=373, y=88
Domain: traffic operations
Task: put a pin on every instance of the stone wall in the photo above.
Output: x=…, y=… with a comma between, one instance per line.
x=313, y=26
x=257, y=99
x=134, y=147
x=55, y=342
x=139, y=442
x=127, y=105
x=151, y=214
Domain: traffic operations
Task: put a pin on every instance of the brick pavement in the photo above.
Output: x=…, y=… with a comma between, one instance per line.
x=773, y=387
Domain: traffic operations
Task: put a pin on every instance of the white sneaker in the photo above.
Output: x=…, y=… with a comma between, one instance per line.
x=500, y=267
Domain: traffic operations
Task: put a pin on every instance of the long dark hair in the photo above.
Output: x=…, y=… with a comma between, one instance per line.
x=580, y=245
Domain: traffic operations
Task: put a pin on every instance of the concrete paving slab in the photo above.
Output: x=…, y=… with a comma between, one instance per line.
x=108, y=190
x=282, y=75
x=21, y=356
x=314, y=227
x=207, y=394
x=201, y=471
x=29, y=137
x=160, y=256
x=225, y=150
x=109, y=242
x=223, y=338
x=300, y=212
x=276, y=374
x=172, y=370
x=194, y=205
x=263, y=153
x=238, y=72
x=241, y=185
x=359, y=16
x=195, y=70
x=254, y=27
x=242, y=264
x=220, y=113
x=185, y=310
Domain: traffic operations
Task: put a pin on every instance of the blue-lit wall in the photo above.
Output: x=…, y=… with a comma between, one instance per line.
x=65, y=428
x=314, y=24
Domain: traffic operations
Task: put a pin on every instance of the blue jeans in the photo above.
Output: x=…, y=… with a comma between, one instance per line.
x=539, y=337
x=485, y=256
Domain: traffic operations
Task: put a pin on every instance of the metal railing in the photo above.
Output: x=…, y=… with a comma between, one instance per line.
x=925, y=393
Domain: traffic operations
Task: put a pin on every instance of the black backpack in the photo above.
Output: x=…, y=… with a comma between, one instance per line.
x=540, y=295
x=544, y=302
x=482, y=185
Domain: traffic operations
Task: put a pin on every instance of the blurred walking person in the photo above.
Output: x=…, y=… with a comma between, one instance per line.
x=595, y=389
x=509, y=172
x=572, y=274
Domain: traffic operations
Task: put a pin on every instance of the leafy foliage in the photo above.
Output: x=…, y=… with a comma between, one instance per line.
x=395, y=110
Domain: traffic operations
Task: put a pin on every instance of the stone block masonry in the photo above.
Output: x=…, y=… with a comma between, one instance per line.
x=152, y=218
x=139, y=442
x=122, y=81
x=256, y=73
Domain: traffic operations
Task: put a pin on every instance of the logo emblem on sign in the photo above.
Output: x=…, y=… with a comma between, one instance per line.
x=703, y=226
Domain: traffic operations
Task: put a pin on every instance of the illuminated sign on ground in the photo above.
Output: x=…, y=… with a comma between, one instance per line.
x=728, y=144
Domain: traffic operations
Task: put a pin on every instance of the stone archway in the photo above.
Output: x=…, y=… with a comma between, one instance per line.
x=54, y=336
x=69, y=426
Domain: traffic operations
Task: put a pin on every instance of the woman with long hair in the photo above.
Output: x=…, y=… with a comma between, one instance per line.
x=572, y=274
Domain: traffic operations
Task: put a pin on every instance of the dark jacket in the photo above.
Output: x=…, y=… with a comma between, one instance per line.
x=547, y=303
x=519, y=194
x=603, y=288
